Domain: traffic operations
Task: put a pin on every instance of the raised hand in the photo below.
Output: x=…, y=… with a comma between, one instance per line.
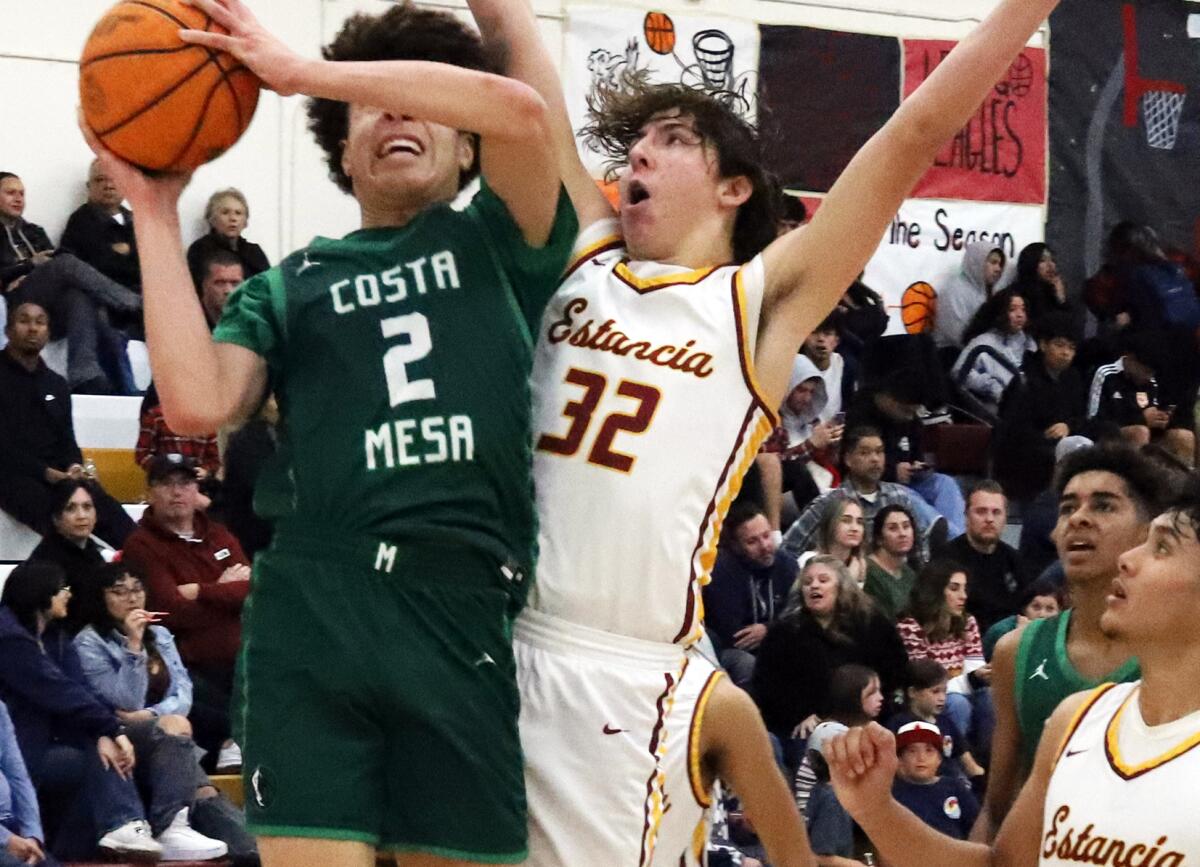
x=266, y=56
x=862, y=765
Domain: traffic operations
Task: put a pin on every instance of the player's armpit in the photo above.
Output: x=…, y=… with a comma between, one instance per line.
x=511, y=26
x=1004, y=773
x=735, y=748
x=1020, y=837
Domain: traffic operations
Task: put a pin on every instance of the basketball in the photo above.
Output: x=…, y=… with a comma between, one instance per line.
x=155, y=100
x=918, y=307
x=659, y=31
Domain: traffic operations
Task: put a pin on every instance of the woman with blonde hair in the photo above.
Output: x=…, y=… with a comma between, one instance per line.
x=834, y=624
x=227, y=214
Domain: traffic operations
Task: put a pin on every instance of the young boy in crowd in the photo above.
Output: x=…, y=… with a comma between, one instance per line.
x=945, y=803
x=925, y=701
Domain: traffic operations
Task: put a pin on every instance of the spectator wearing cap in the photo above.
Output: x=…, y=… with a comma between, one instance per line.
x=892, y=407
x=1126, y=393
x=195, y=571
x=1045, y=402
x=945, y=804
x=37, y=433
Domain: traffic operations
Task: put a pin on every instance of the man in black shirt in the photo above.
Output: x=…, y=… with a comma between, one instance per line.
x=100, y=231
x=37, y=436
x=995, y=576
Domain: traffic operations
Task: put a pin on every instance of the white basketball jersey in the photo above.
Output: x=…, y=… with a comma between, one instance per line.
x=1124, y=793
x=646, y=416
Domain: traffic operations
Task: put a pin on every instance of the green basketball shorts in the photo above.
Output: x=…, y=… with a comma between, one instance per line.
x=378, y=700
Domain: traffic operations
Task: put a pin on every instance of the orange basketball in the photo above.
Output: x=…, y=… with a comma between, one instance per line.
x=918, y=307
x=155, y=100
x=659, y=31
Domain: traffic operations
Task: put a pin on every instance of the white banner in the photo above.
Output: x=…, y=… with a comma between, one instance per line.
x=926, y=240
x=601, y=42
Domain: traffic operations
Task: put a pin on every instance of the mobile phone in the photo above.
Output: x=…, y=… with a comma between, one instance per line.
x=838, y=420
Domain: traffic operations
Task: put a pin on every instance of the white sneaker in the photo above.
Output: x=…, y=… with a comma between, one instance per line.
x=229, y=759
x=132, y=840
x=180, y=842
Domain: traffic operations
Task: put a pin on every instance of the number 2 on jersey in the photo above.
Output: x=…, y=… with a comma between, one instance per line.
x=416, y=327
x=580, y=413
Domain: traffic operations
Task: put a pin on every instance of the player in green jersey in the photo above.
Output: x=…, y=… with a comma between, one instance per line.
x=379, y=706
x=1107, y=498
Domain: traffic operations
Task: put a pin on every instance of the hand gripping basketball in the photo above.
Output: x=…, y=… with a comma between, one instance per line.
x=267, y=57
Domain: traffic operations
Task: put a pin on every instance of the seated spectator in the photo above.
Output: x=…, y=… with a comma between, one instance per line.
x=996, y=345
x=22, y=840
x=1040, y=283
x=37, y=434
x=1039, y=600
x=69, y=543
x=1044, y=403
x=80, y=755
x=1126, y=394
x=937, y=626
x=227, y=215
x=132, y=663
x=890, y=578
x=71, y=291
x=750, y=583
x=998, y=577
x=863, y=456
x=842, y=535
x=830, y=828
x=100, y=231
x=802, y=438
x=863, y=317
x=196, y=572
x=1158, y=296
x=982, y=268
x=246, y=453
x=892, y=407
x=925, y=700
x=820, y=347
x=944, y=803
x=835, y=624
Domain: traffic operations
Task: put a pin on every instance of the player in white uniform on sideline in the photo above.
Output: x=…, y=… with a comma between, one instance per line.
x=658, y=370
x=1116, y=780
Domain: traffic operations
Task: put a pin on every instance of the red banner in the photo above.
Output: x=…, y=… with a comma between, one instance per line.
x=1000, y=156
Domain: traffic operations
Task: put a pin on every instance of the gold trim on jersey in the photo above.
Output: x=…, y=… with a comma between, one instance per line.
x=695, y=772
x=656, y=805
x=743, y=336
x=1112, y=746
x=1077, y=718
x=591, y=251
x=651, y=284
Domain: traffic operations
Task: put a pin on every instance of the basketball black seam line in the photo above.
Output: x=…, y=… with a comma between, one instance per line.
x=134, y=52
x=191, y=139
x=158, y=99
x=233, y=94
x=163, y=12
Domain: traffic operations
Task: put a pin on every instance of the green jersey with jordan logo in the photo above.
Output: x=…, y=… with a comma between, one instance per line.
x=400, y=358
x=1045, y=676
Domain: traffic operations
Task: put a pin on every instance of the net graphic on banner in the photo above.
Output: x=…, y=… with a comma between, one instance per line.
x=1161, y=110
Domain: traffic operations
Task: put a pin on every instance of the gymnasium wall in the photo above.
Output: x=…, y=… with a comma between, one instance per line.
x=276, y=164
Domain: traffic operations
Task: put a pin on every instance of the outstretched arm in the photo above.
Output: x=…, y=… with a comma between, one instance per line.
x=1004, y=772
x=809, y=268
x=517, y=158
x=511, y=26
x=735, y=747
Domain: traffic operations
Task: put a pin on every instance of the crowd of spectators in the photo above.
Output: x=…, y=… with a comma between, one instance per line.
x=855, y=580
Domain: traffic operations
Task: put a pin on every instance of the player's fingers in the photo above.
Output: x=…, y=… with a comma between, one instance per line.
x=216, y=11
x=216, y=41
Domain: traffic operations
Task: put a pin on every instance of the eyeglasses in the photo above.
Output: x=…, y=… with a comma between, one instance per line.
x=124, y=591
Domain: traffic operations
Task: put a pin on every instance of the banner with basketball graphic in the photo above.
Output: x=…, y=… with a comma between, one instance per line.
x=923, y=249
x=601, y=43
x=1000, y=156
x=1124, y=126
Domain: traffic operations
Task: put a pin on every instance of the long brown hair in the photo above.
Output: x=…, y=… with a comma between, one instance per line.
x=927, y=605
x=851, y=607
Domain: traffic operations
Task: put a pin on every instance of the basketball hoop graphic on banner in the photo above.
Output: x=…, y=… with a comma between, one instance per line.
x=1161, y=102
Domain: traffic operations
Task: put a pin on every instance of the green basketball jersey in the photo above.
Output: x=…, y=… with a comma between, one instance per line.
x=1045, y=676
x=400, y=358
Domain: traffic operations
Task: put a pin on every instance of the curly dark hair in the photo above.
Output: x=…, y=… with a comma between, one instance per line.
x=1149, y=488
x=617, y=114
x=404, y=32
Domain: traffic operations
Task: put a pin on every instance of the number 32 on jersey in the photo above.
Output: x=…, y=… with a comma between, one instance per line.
x=640, y=398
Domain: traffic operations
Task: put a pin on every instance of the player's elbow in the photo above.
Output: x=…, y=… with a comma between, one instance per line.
x=527, y=117
x=192, y=418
